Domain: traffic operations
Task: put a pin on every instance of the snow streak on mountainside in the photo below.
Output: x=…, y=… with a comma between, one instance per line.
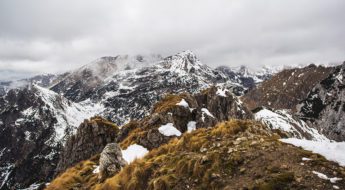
x=35, y=123
x=285, y=121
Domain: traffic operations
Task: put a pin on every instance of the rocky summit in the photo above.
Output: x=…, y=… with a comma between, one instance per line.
x=149, y=122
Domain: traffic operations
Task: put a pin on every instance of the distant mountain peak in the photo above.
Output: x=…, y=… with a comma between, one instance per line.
x=185, y=61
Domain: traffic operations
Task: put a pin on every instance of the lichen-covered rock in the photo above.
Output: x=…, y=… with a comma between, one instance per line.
x=110, y=161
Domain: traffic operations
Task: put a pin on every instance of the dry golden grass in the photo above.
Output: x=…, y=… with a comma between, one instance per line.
x=78, y=177
x=132, y=137
x=180, y=157
x=101, y=121
x=167, y=102
x=183, y=164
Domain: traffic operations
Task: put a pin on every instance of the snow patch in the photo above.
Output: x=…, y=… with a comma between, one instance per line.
x=331, y=150
x=183, y=103
x=96, y=170
x=191, y=126
x=306, y=159
x=323, y=176
x=133, y=152
x=27, y=135
x=204, y=110
x=34, y=186
x=221, y=92
x=169, y=130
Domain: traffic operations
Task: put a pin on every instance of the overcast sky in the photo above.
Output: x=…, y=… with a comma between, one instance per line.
x=55, y=35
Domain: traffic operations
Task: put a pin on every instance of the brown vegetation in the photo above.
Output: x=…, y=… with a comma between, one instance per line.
x=168, y=102
x=287, y=88
x=80, y=176
x=235, y=154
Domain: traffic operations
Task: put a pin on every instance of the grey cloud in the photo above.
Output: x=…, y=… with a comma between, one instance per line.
x=54, y=36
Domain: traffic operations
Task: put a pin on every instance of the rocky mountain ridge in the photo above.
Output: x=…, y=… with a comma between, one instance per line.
x=39, y=126
x=287, y=88
x=235, y=154
x=43, y=120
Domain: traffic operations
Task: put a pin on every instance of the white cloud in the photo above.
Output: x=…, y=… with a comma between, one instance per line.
x=52, y=36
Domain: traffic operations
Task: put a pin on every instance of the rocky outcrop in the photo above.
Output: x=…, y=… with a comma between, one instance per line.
x=90, y=139
x=287, y=88
x=324, y=108
x=110, y=161
x=184, y=113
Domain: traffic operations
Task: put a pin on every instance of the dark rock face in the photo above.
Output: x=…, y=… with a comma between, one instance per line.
x=287, y=88
x=222, y=107
x=324, y=106
x=91, y=137
x=201, y=110
x=26, y=142
x=34, y=124
x=110, y=161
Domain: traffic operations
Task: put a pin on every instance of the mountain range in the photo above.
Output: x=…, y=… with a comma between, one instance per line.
x=51, y=124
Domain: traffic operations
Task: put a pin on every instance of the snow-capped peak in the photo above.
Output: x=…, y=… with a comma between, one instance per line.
x=184, y=61
x=105, y=66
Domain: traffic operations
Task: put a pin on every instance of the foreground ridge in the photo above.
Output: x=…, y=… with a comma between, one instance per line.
x=236, y=154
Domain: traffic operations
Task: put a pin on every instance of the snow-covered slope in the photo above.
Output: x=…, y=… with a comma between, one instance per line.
x=69, y=115
x=331, y=150
x=130, y=94
x=79, y=84
x=285, y=121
